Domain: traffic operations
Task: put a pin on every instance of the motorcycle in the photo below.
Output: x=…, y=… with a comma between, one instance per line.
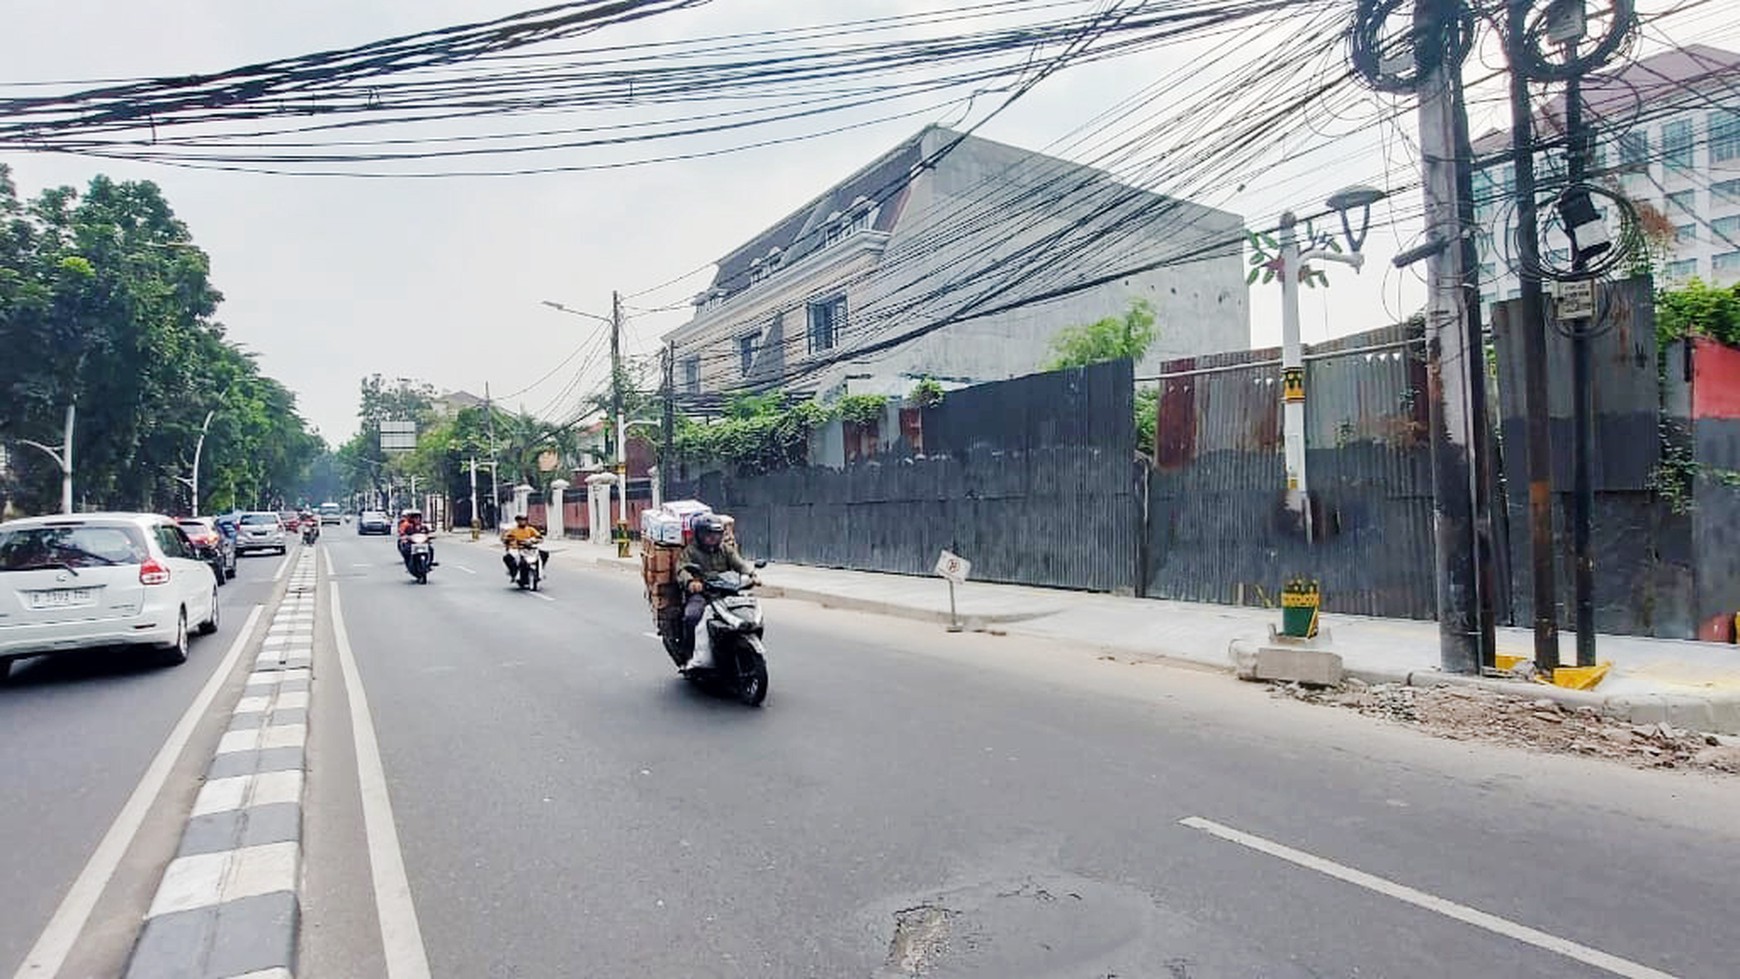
x=419, y=558
x=310, y=533
x=528, y=564
x=734, y=659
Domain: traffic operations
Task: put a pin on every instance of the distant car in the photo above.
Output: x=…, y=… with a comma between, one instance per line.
x=261, y=530
x=291, y=520
x=213, y=545
x=373, y=522
x=81, y=581
x=330, y=513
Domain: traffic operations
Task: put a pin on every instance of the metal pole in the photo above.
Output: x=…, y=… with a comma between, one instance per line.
x=476, y=521
x=199, y=447
x=1533, y=328
x=66, y=462
x=1582, y=401
x=616, y=406
x=954, y=617
x=1449, y=357
x=668, y=455
x=1293, y=375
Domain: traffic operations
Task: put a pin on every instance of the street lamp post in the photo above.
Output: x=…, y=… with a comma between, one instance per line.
x=1290, y=266
x=192, y=484
x=62, y=455
x=615, y=322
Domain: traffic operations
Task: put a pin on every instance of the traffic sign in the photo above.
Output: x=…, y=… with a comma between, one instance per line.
x=953, y=567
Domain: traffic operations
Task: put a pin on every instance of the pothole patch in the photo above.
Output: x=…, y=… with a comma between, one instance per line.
x=921, y=937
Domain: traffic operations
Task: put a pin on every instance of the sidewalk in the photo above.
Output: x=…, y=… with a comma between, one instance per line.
x=1686, y=684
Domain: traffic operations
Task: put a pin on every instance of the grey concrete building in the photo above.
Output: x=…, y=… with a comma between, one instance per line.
x=929, y=262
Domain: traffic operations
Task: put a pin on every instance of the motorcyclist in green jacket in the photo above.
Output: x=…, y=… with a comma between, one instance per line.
x=706, y=555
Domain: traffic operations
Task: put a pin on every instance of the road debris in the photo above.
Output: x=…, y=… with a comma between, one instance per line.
x=1479, y=714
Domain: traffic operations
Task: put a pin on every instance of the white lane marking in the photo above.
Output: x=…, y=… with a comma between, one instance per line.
x=330, y=570
x=539, y=594
x=283, y=566
x=1430, y=902
x=362, y=564
x=651, y=635
x=401, y=937
x=461, y=567
x=212, y=878
x=51, y=948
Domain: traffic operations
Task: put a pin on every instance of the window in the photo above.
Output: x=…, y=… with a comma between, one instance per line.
x=1725, y=265
x=746, y=353
x=692, y=375
x=1725, y=192
x=1634, y=149
x=79, y=547
x=1676, y=144
x=1514, y=293
x=1488, y=271
x=827, y=319
x=1724, y=135
x=1726, y=231
x=1682, y=202
x=1506, y=181
x=173, y=541
x=1685, y=234
x=1682, y=270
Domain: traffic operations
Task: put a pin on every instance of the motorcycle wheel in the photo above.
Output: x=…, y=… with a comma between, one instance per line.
x=524, y=580
x=752, y=679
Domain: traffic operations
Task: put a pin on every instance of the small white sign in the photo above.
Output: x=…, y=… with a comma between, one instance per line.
x=953, y=567
x=1577, y=300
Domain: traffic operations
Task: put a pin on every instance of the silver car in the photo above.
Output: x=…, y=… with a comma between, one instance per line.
x=81, y=581
x=261, y=530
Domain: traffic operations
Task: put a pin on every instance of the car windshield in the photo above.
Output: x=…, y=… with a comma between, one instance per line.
x=255, y=519
x=30, y=548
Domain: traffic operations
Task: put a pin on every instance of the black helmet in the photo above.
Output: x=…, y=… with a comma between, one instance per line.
x=709, y=531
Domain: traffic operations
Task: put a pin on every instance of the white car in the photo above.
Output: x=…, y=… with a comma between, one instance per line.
x=259, y=530
x=81, y=581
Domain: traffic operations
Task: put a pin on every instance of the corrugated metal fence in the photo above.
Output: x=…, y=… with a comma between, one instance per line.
x=1218, y=527
x=1032, y=479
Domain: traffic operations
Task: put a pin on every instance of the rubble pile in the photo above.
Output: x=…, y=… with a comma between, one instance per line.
x=1479, y=714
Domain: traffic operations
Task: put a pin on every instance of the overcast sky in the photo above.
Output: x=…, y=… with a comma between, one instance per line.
x=330, y=279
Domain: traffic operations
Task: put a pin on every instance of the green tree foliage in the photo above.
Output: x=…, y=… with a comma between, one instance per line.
x=1125, y=337
x=1698, y=310
x=105, y=302
x=1147, y=418
x=759, y=433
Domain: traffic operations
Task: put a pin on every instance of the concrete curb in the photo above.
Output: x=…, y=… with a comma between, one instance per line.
x=1718, y=714
x=229, y=904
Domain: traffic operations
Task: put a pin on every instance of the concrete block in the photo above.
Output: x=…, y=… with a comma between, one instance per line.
x=1295, y=664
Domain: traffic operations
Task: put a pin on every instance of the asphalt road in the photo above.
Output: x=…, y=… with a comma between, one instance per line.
x=78, y=732
x=971, y=805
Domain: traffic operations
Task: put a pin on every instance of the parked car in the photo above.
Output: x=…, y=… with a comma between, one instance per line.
x=212, y=545
x=261, y=530
x=373, y=522
x=80, y=581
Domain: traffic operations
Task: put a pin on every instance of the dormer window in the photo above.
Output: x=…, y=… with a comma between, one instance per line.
x=757, y=271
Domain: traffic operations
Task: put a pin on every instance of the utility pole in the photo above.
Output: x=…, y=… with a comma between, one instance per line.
x=1454, y=356
x=1293, y=376
x=489, y=417
x=1582, y=391
x=616, y=408
x=63, y=457
x=1533, y=327
x=476, y=521
x=668, y=457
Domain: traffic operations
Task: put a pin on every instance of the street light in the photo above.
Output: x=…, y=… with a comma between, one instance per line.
x=199, y=446
x=62, y=455
x=1290, y=266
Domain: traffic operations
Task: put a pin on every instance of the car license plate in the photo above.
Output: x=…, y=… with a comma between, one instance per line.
x=62, y=598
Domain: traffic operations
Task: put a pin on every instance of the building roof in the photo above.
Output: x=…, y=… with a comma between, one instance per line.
x=883, y=182
x=1613, y=96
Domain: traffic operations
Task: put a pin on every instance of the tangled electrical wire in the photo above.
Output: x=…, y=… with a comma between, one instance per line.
x=1400, y=61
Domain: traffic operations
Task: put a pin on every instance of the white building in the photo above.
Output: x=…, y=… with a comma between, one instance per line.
x=1668, y=138
x=878, y=281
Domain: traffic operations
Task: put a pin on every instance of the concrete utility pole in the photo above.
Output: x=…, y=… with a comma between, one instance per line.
x=1293, y=376
x=1455, y=363
x=1533, y=327
x=62, y=455
x=668, y=456
x=616, y=407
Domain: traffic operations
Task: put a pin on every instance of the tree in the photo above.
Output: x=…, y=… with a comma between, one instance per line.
x=1125, y=337
x=106, y=303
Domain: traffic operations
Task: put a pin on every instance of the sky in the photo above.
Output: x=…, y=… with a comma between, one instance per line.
x=331, y=279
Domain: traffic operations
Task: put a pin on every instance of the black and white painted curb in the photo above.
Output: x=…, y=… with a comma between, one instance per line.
x=228, y=905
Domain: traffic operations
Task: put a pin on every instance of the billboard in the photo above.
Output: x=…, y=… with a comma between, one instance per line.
x=398, y=436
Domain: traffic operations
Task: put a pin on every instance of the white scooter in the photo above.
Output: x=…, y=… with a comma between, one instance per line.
x=529, y=559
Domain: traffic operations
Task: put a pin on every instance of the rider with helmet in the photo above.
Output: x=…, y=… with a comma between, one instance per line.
x=411, y=522
x=522, y=532
x=706, y=555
